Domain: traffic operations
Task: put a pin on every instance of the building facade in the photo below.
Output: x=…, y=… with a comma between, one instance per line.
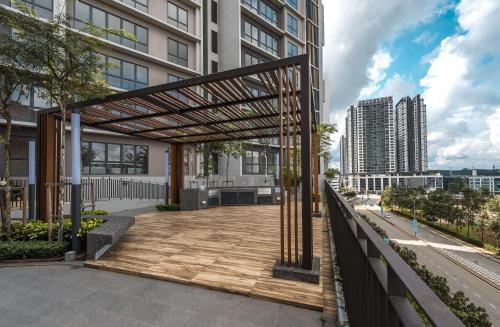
x=411, y=135
x=174, y=40
x=370, y=145
x=376, y=183
x=381, y=140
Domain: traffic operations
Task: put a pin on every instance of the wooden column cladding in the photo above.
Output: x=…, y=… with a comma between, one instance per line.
x=47, y=163
x=315, y=157
x=176, y=171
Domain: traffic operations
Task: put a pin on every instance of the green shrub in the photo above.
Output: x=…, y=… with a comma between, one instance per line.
x=38, y=230
x=167, y=207
x=97, y=212
x=12, y=250
x=492, y=248
x=87, y=225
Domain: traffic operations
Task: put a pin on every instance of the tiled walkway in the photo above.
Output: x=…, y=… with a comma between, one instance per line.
x=226, y=248
x=74, y=296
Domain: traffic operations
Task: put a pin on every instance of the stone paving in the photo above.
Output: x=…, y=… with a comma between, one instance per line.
x=70, y=295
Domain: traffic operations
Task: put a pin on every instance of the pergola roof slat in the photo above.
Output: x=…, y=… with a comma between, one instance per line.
x=217, y=107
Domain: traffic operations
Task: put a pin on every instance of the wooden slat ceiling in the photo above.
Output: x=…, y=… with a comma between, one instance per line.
x=215, y=107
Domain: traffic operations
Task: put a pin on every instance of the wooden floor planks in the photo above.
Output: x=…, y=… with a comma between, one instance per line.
x=226, y=248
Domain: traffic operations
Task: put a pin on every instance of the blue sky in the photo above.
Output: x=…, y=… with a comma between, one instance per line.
x=411, y=46
x=446, y=50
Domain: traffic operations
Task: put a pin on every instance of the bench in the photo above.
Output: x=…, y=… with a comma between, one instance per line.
x=102, y=239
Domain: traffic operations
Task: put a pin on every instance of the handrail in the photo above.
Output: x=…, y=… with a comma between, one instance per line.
x=376, y=291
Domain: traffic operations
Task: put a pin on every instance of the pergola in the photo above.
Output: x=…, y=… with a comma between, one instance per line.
x=217, y=107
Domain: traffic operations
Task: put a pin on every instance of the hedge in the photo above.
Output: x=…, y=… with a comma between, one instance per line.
x=38, y=230
x=12, y=250
x=167, y=207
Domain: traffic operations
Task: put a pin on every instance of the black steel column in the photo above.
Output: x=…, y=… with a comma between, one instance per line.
x=75, y=180
x=305, y=107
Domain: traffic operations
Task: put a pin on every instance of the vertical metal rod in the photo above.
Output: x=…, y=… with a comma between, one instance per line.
x=48, y=213
x=280, y=141
x=305, y=107
x=31, y=179
x=295, y=186
x=76, y=190
x=288, y=179
x=93, y=190
x=167, y=175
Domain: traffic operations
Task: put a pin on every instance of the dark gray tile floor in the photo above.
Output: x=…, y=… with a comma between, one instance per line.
x=71, y=295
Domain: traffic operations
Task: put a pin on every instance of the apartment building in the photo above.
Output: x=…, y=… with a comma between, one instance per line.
x=174, y=40
x=411, y=135
x=248, y=32
x=381, y=140
x=374, y=136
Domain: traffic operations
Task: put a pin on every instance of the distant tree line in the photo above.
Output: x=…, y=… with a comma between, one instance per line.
x=460, y=205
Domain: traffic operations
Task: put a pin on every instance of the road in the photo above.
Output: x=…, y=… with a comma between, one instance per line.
x=478, y=291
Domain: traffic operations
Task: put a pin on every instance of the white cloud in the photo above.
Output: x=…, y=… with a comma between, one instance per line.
x=462, y=90
x=398, y=86
x=381, y=60
x=355, y=29
x=425, y=38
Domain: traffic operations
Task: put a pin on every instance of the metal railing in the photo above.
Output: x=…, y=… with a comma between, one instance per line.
x=376, y=280
x=107, y=188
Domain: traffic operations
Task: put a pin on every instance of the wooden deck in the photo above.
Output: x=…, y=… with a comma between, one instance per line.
x=226, y=248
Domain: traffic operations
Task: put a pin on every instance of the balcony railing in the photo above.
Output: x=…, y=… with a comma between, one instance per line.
x=376, y=280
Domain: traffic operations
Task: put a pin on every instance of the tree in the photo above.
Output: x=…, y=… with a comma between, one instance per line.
x=330, y=173
x=439, y=204
x=235, y=149
x=387, y=197
x=14, y=83
x=472, y=203
x=209, y=152
x=493, y=206
x=68, y=66
x=325, y=142
x=455, y=188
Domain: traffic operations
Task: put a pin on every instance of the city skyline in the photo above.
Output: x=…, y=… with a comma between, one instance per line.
x=448, y=51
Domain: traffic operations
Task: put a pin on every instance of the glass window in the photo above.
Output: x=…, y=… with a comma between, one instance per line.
x=142, y=5
x=177, y=52
x=42, y=8
x=125, y=75
x=249, y=59
x=98, y=152
x=264, y=9
x=292, y=50
x=251, y=162
x=114, y=159
x=260, y=37
x=214, y=42
x=178, y=95
x=257, y=160
x=213, y=11
x=292, y=25
x=98, y=17
x=31, y=98
x=177, y=16
x=293, y=4
x=85, y=13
